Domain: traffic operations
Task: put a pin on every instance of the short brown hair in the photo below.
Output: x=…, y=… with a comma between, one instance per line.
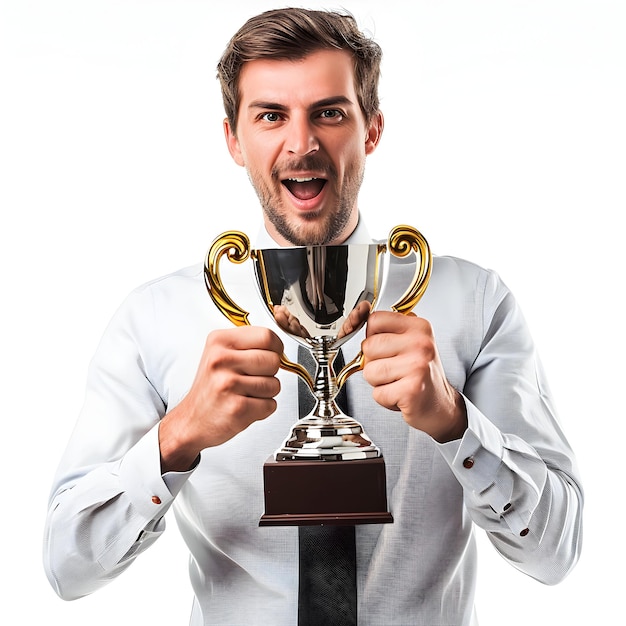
x=291, y=34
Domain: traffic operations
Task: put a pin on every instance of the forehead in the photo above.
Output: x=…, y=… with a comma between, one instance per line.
x=320, y=75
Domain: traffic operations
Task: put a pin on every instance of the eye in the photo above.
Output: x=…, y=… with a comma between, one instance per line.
x=331, y=114
x=270, y=116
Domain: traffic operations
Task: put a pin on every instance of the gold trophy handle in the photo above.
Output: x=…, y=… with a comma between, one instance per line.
x=402, y=240
x=236, y=245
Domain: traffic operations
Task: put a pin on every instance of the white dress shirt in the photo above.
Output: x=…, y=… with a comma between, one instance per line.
x=513, y=473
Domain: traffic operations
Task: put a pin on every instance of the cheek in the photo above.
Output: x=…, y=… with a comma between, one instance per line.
x=353, y=156
x=261, y=159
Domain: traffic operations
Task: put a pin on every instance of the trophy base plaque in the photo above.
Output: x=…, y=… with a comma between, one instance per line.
x=333, y=493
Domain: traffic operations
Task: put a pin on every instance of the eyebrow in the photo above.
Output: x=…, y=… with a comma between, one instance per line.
x=275, y=106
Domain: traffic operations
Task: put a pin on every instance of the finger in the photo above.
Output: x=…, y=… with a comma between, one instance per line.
x=247, y=337
x=380, y=346
x=382, y=371
x=258, y=408
x=246, y=411
x=396, y=334
x=261, y=387
x=404, y=393
x=254, y=362
x=392, y=322
x=387, y=396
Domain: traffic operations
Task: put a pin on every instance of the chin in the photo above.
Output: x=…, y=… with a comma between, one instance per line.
x=314, y=234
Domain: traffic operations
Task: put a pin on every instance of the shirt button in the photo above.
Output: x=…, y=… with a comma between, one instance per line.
x=507, y=507
x=469, y=462
x=156, y=500
x=524, y=532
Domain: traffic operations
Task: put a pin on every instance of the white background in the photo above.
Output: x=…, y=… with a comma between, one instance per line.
x=504, y=143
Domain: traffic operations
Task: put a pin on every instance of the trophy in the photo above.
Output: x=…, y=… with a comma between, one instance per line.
x=327, y=471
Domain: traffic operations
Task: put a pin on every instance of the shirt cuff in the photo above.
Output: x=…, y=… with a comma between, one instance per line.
x=476, y=461
x=482, y=465
x=479, y=450
x=140, y=476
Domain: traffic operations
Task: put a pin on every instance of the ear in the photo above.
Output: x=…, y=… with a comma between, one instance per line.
x=233, y=144
x=374, y=132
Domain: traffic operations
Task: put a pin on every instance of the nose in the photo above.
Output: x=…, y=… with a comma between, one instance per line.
x=301, y=137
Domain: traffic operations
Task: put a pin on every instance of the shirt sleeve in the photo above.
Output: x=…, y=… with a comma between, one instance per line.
x=109, y=498
x=517, y=470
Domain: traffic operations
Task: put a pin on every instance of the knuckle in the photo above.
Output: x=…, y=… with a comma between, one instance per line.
x=238, y=405
x=272, y=405
x=263, y=408
x=274, y=363
x=226, y=381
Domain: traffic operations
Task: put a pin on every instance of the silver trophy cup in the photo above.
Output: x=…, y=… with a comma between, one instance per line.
x=321, y=296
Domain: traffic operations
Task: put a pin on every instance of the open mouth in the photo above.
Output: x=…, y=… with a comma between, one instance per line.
x=304, y=188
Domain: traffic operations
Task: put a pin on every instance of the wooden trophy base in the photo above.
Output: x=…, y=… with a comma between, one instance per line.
x=315, y=493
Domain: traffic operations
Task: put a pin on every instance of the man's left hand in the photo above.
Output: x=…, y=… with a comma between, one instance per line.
x=403, y=366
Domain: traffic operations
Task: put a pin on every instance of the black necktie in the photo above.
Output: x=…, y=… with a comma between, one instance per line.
x=327, y=584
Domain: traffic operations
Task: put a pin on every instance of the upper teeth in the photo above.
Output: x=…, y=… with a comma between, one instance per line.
x=302, y=180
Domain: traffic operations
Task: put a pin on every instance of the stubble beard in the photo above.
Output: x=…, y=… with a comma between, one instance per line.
x=319, y=231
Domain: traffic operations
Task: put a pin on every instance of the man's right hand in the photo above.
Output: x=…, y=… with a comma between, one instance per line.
x=235, y=385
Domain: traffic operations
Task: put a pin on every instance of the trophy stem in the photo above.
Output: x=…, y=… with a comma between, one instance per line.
x=326, y=433
x=325, y=387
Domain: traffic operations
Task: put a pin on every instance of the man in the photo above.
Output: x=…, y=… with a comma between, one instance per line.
x=182, y=411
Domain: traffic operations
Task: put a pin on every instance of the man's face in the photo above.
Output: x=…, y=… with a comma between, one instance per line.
x=303, y=139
